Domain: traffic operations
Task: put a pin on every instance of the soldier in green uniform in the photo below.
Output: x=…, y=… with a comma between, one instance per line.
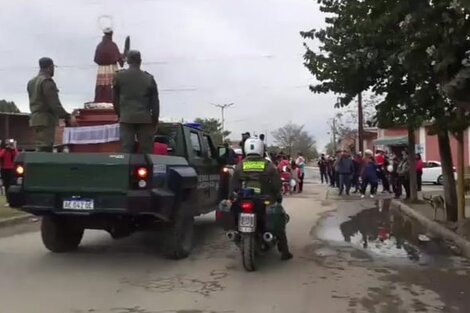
x=45, y=106
x=135, y=100
x=257, y=173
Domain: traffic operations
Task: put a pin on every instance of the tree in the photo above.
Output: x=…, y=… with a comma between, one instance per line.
x=214, y=127
x=293, y=138
x=8, y=107
x=414, y=48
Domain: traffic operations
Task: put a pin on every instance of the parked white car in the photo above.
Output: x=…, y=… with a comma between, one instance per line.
x=432, y=173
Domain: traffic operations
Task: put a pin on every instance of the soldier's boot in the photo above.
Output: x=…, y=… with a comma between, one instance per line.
x=283, y=247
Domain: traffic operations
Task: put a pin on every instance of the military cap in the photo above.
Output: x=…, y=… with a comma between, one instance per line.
x=133, y=57
x=45, y=62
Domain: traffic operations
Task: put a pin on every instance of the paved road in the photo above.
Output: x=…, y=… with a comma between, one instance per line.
x=130, y=276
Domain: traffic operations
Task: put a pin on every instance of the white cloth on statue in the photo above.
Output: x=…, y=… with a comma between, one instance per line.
x=91, y=134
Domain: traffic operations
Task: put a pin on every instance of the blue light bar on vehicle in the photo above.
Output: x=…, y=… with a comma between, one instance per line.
x=193, y=125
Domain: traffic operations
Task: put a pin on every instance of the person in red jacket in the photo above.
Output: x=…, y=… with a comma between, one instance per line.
x=161, y=145
x=419, y=171
x=8, y=155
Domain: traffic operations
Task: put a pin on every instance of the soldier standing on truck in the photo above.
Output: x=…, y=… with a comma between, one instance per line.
x=135, y=100
x=45, y=106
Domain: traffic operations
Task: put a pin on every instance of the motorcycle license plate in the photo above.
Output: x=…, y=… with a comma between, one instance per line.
x=247, y=222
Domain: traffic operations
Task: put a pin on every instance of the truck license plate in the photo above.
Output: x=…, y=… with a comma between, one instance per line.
x=247, y=222
x=85, y=205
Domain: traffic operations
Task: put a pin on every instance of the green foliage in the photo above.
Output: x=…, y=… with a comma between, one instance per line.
x=404, y=50
x=214, y=127
x=8, y=107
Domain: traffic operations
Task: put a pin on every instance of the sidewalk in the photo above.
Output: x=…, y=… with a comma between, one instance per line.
x=425, y=208
x=7, y=212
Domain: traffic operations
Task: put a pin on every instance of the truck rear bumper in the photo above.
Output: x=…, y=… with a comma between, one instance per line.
x=155, y=202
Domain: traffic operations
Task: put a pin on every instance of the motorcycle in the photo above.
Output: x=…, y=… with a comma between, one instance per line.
x=252, y=224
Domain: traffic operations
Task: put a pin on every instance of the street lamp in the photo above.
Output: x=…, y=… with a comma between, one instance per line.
x=222, y=108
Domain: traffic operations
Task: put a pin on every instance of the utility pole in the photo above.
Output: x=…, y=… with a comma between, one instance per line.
x=334, y=135
x=461, y=171
x=360, y=121
x=222, y=108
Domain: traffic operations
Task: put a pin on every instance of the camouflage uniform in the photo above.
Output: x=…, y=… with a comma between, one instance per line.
x=257, y=173
x=136, y=103
x=46, y=110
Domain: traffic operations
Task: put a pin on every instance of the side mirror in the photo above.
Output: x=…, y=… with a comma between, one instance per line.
x=222, y=155
x=222, y=151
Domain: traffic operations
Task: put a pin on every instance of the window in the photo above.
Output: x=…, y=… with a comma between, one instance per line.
x=208, y=143
x=196, y=143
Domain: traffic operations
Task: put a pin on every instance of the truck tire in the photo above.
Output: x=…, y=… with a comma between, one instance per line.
x=179, y=233
x=60, y=235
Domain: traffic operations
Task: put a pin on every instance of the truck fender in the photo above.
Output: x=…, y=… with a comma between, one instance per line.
x=182, y=178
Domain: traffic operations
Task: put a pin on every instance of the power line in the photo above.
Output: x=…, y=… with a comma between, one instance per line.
x=152, y=63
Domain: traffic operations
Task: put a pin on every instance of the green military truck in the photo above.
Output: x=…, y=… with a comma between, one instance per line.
x=123, y=193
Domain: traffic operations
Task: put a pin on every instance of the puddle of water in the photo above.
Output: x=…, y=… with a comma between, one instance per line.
x=386, y=234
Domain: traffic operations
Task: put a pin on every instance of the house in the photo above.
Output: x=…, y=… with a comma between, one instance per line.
x=351, y=141
x=16, y=126
x=427, y=145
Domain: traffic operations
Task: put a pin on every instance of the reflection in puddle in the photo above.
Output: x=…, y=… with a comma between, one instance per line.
x=385, y=233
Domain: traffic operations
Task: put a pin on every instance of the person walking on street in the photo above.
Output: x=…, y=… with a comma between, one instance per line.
x=331, y=170
x=381, y=161
x=419, y=171
x=403, y=171
x=300, y=162
x=345, y=171
x=323, y=167
x=369, y=175
x=296, y=173
x=358, y=163
x=336, y=169
x=394, y=173
x=135, y=100
x=45, y=106
x=8, y=154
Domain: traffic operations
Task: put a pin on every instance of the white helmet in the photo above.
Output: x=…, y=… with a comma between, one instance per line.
x=254, y=146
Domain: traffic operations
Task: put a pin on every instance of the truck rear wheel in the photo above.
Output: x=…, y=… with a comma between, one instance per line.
x=179, y=234
x=60, y=235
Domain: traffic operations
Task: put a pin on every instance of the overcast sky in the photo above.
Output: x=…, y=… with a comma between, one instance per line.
x=248, y=52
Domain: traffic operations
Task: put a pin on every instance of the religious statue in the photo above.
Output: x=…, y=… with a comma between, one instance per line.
x=108, y=57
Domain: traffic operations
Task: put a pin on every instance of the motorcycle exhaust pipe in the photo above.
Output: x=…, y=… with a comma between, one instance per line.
x=268, y=237
x=231, y=235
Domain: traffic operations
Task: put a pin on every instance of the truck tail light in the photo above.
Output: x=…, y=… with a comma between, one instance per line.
x=141, y=176
x=19, y=170
x=247, y=207
x=142, y=173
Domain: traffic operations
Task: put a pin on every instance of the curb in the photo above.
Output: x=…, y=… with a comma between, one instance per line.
x=435, y=228
x=11, y=221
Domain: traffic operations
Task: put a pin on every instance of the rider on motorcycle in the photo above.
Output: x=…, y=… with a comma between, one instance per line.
x=258, y=173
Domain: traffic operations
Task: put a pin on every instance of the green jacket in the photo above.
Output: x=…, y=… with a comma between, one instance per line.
x=258, y=173
x=44, y=103
x=135, y=97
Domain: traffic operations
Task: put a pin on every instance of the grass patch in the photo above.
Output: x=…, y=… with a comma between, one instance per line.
x=6, y=212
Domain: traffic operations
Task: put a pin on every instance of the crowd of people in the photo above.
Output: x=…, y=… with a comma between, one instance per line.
x=292, y=171
x=358, y=172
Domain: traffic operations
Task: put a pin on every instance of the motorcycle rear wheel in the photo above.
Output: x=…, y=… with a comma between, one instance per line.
x=248, y=247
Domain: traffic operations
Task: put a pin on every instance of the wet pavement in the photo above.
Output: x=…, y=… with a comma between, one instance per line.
x=369, y=234
x=386, y=235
